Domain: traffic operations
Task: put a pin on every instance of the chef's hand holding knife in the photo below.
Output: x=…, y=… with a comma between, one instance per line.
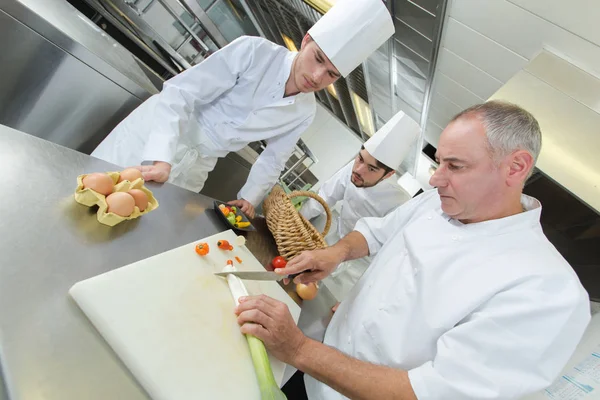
x=270, y=320
x=315, y=265
x=312, y=266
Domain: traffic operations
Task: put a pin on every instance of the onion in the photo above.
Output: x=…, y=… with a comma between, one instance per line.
x=307, y=292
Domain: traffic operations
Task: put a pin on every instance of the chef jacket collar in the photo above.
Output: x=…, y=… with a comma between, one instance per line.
x=285, y=73
x=530, y=217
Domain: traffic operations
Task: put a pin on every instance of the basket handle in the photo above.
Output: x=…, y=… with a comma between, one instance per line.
x=318, y=198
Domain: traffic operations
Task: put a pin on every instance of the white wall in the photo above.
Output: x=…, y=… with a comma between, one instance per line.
x=486, y=42
x=332, y=142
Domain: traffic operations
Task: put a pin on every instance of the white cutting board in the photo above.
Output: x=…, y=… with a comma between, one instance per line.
x=171, y=322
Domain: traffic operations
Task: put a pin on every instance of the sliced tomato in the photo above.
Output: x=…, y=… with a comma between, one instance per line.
x=224, y=245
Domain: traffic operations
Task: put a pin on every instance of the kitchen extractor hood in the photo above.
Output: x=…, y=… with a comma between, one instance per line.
x=566, y=101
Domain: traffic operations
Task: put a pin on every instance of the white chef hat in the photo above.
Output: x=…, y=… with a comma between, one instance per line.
x=351, y=30
x=392, y=142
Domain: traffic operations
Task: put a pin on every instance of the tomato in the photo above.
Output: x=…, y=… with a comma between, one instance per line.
x=202, y=249
x=278, y=262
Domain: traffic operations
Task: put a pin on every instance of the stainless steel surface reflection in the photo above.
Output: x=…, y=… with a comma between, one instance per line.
x=64, y=26
x=48, y=349
x=50, y=93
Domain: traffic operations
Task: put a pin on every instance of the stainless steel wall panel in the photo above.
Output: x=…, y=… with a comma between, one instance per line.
x=431, y=6
x=67, y=28
x=411, y=59
x=416, y=80
x=419, y=19
x=413, y=40
x=46, y=92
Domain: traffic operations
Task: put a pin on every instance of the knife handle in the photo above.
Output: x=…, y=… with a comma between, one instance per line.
x=292, y=276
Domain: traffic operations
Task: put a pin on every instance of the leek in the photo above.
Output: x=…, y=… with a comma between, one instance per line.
x=269, y=389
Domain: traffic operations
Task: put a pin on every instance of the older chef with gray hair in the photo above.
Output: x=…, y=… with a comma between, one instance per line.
x=465, y=298
x=250, y=90
x=365, y=187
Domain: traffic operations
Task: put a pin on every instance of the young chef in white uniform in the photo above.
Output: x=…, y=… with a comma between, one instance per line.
x=366, y=187
x=465, y=298
x=252, y=89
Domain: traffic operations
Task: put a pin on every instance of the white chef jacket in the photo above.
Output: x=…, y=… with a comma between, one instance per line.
x=487, y=310
x=234, y=97
x=374, y=201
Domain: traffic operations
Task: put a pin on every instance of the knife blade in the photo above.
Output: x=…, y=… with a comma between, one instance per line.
x=256, y=275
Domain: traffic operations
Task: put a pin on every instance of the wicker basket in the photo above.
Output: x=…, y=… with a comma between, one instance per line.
x=292, y=232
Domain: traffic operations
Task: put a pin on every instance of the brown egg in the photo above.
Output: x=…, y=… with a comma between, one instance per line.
x=98, y=182
x=129, y=174
x=141, y=199
x=120, y=203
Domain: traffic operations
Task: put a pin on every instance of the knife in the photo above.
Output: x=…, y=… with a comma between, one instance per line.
x=257, y=275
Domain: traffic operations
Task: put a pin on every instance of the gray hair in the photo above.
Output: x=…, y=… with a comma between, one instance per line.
x=508, y=128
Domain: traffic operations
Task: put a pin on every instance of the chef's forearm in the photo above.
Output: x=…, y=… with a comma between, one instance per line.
x=352, y=246
x=351, y=377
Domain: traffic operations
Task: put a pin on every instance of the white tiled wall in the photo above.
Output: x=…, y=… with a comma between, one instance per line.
x=331, y=142
x=486, y=42
x=578, y=16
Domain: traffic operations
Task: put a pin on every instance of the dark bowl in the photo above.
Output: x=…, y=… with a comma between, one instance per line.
x=249, y=228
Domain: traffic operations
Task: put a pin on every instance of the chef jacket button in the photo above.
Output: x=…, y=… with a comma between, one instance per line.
x=430, y=217
x=454, y=237
x=349, y=339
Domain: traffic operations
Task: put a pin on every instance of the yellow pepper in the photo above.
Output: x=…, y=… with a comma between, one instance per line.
x=243, y=224
x=238, y=218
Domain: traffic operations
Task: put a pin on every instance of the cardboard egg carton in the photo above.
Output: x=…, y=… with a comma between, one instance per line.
x=89, y=198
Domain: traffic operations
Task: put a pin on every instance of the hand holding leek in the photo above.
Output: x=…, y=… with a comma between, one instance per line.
x=270, y=321
x=269, y=389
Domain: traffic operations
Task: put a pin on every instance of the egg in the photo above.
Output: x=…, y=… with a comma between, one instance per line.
x=120, y=203
x=98, y=182
x=130, y=174
x=141, y=199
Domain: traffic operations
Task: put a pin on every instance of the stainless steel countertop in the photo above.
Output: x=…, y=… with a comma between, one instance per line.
x=67, y=28
x=48, y=349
